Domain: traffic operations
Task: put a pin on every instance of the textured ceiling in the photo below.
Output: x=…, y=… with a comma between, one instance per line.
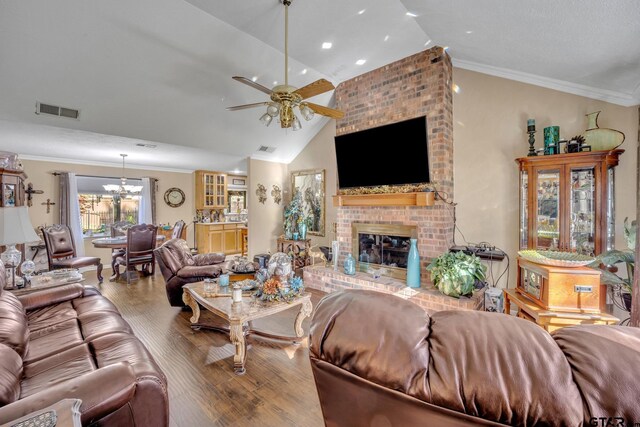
x=160, y=70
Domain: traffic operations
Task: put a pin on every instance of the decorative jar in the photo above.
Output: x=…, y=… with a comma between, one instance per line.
x=349, y=265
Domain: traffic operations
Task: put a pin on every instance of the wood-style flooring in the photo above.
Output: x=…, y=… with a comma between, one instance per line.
x=277, y=389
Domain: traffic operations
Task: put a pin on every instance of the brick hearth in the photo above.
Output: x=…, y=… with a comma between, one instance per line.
x=428, y=298
x=419, y=85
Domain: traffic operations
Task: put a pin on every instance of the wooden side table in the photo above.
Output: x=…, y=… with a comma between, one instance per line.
x=298, y=250
x=550, y=320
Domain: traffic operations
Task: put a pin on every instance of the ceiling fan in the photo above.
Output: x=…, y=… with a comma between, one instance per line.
x=285, y=98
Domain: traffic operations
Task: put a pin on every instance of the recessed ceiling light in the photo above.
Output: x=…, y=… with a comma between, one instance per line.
x=327, y=45
x=303, y=71
x=275, y=82
x=469, y=32
x=411, y=14
x=427, y=42
x=361, y=12
x=361, y=61
x=254, y=78
x=386, y=37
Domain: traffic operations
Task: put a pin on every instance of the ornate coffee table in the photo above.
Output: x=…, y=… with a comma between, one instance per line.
x=240, y=316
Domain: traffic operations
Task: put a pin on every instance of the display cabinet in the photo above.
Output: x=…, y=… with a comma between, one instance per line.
x=211, y=190
x=567, y=201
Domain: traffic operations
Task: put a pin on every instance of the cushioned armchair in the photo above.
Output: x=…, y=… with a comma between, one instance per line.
x=378, y=359
x=61, y=250
x=179, y=267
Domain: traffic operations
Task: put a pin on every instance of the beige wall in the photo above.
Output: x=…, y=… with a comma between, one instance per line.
x=265, y=220
x=39, y=173
x=320, y=153
x=490, y=116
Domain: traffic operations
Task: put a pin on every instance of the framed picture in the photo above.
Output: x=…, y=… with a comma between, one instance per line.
x=238, y=181
x=9, y=195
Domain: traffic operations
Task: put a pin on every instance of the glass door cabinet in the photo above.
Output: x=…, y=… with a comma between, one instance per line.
x=567, y=201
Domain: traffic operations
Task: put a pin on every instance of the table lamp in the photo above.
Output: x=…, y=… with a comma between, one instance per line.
x=15, y=228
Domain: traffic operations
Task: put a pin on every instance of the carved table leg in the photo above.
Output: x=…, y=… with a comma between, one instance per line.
x=305, y=311
x=237, y=338
x=195, y=308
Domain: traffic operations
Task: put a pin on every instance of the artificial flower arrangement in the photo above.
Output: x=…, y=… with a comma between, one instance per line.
x=273, y=290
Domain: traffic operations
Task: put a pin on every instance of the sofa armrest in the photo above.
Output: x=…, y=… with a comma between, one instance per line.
x=44, y=297
x=208, y=259
x=102, y=392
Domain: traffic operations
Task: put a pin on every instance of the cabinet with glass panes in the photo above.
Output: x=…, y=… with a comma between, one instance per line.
x=567, y=201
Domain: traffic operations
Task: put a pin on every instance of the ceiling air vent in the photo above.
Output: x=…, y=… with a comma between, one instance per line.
x=146, y=145
x=54, y=110
x=265, y=149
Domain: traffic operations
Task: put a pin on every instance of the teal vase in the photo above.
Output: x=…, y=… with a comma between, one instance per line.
x=349, y=265
x=413, y=265
x=302, y=229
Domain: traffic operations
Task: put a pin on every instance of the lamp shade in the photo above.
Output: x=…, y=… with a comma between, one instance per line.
x=15, y=226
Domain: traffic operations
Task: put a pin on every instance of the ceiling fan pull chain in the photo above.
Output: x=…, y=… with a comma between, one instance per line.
x=286, y=42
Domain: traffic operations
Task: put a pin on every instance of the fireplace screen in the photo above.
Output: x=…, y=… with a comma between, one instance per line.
x=382, y=245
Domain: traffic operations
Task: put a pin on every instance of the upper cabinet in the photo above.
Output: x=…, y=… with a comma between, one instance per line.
x=567, y=201
x=211, y=190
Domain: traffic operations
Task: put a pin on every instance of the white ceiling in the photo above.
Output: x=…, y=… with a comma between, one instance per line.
x=160, y=70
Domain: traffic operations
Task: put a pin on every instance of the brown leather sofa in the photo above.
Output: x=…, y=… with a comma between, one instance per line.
x=179, y=267
x=71, y=342
x=380, y=360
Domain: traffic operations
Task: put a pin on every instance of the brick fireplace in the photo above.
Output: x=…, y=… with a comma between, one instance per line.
x=419, y=85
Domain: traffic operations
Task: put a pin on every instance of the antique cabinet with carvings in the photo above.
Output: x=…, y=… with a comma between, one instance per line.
x=211, y=190
x=567, y=201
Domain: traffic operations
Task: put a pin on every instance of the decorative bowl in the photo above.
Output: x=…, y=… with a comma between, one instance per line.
x=556, y=258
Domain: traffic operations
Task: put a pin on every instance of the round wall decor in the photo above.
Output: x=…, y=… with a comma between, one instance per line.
x=174, y=197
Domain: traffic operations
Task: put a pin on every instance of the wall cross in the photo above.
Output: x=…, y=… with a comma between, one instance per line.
x=48, y=203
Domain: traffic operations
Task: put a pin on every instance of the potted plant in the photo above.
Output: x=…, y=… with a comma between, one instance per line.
x=606, y=263
x=455, y=273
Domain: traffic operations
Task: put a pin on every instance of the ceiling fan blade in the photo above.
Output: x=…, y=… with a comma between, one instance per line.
x=245, y=106
x=253, y=84
x=326, y=111
x=315, y=88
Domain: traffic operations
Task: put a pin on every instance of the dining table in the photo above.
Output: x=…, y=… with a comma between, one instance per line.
x=119, y=242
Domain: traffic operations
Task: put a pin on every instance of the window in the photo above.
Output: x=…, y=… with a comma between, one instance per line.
x=99, y=208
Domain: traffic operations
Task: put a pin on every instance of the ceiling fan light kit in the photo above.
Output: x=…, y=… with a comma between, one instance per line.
x=285, y=98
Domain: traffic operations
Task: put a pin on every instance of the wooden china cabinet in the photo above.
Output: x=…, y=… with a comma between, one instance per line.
x=211, y=190
x=567, y=201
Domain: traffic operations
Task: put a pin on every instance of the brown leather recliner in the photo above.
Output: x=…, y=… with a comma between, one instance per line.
x=179, y=267
x=71, y=342
x=380, y=360
x=61, y=250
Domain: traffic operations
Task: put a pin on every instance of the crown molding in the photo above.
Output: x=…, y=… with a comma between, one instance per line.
x=614, y=97
x=105, y=164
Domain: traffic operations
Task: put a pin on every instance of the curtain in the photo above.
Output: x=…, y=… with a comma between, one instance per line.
x=146, y=209
x=70, y=209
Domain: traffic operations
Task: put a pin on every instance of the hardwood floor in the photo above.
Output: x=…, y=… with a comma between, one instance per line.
x=277, y=390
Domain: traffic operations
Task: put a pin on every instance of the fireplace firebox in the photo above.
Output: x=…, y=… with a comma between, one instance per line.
x=376, y=246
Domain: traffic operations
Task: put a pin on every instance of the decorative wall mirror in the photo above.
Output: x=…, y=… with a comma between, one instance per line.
x=311, y=185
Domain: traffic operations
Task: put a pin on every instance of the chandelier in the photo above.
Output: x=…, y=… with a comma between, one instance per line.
x=286, y=98
x=123, y=190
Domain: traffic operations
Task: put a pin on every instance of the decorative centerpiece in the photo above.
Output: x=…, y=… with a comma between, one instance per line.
x=273, y=290
x=457, y=274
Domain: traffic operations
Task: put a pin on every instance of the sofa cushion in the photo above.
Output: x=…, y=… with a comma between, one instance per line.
x=192, y=271
x=604, y=360
x=50, y=315
x=502, y=369
x=209, y=259
x=180, y=251
x=10, y=374
x=121, y=347
x=96, y=324
x=14, y=331
x=92, y=304
x=56, y=369
x=53, y=339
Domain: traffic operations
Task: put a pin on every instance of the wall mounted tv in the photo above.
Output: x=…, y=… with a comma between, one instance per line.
x=394, y=154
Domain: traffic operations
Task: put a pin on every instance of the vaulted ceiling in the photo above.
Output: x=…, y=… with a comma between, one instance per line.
x=159, y=71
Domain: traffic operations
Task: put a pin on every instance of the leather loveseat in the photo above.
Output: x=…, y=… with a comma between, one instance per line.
x=71, y=342
x=380, y=360
x=179, y=267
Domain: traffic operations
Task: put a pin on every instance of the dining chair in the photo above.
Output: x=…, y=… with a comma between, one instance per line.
x=61, y=250
x=141, y=241
x=177, y=230
x=118, y=229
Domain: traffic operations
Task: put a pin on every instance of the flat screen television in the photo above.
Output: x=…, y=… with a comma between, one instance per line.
x=394, y=154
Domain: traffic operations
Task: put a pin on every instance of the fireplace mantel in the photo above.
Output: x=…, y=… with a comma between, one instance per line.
x=426, y=198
